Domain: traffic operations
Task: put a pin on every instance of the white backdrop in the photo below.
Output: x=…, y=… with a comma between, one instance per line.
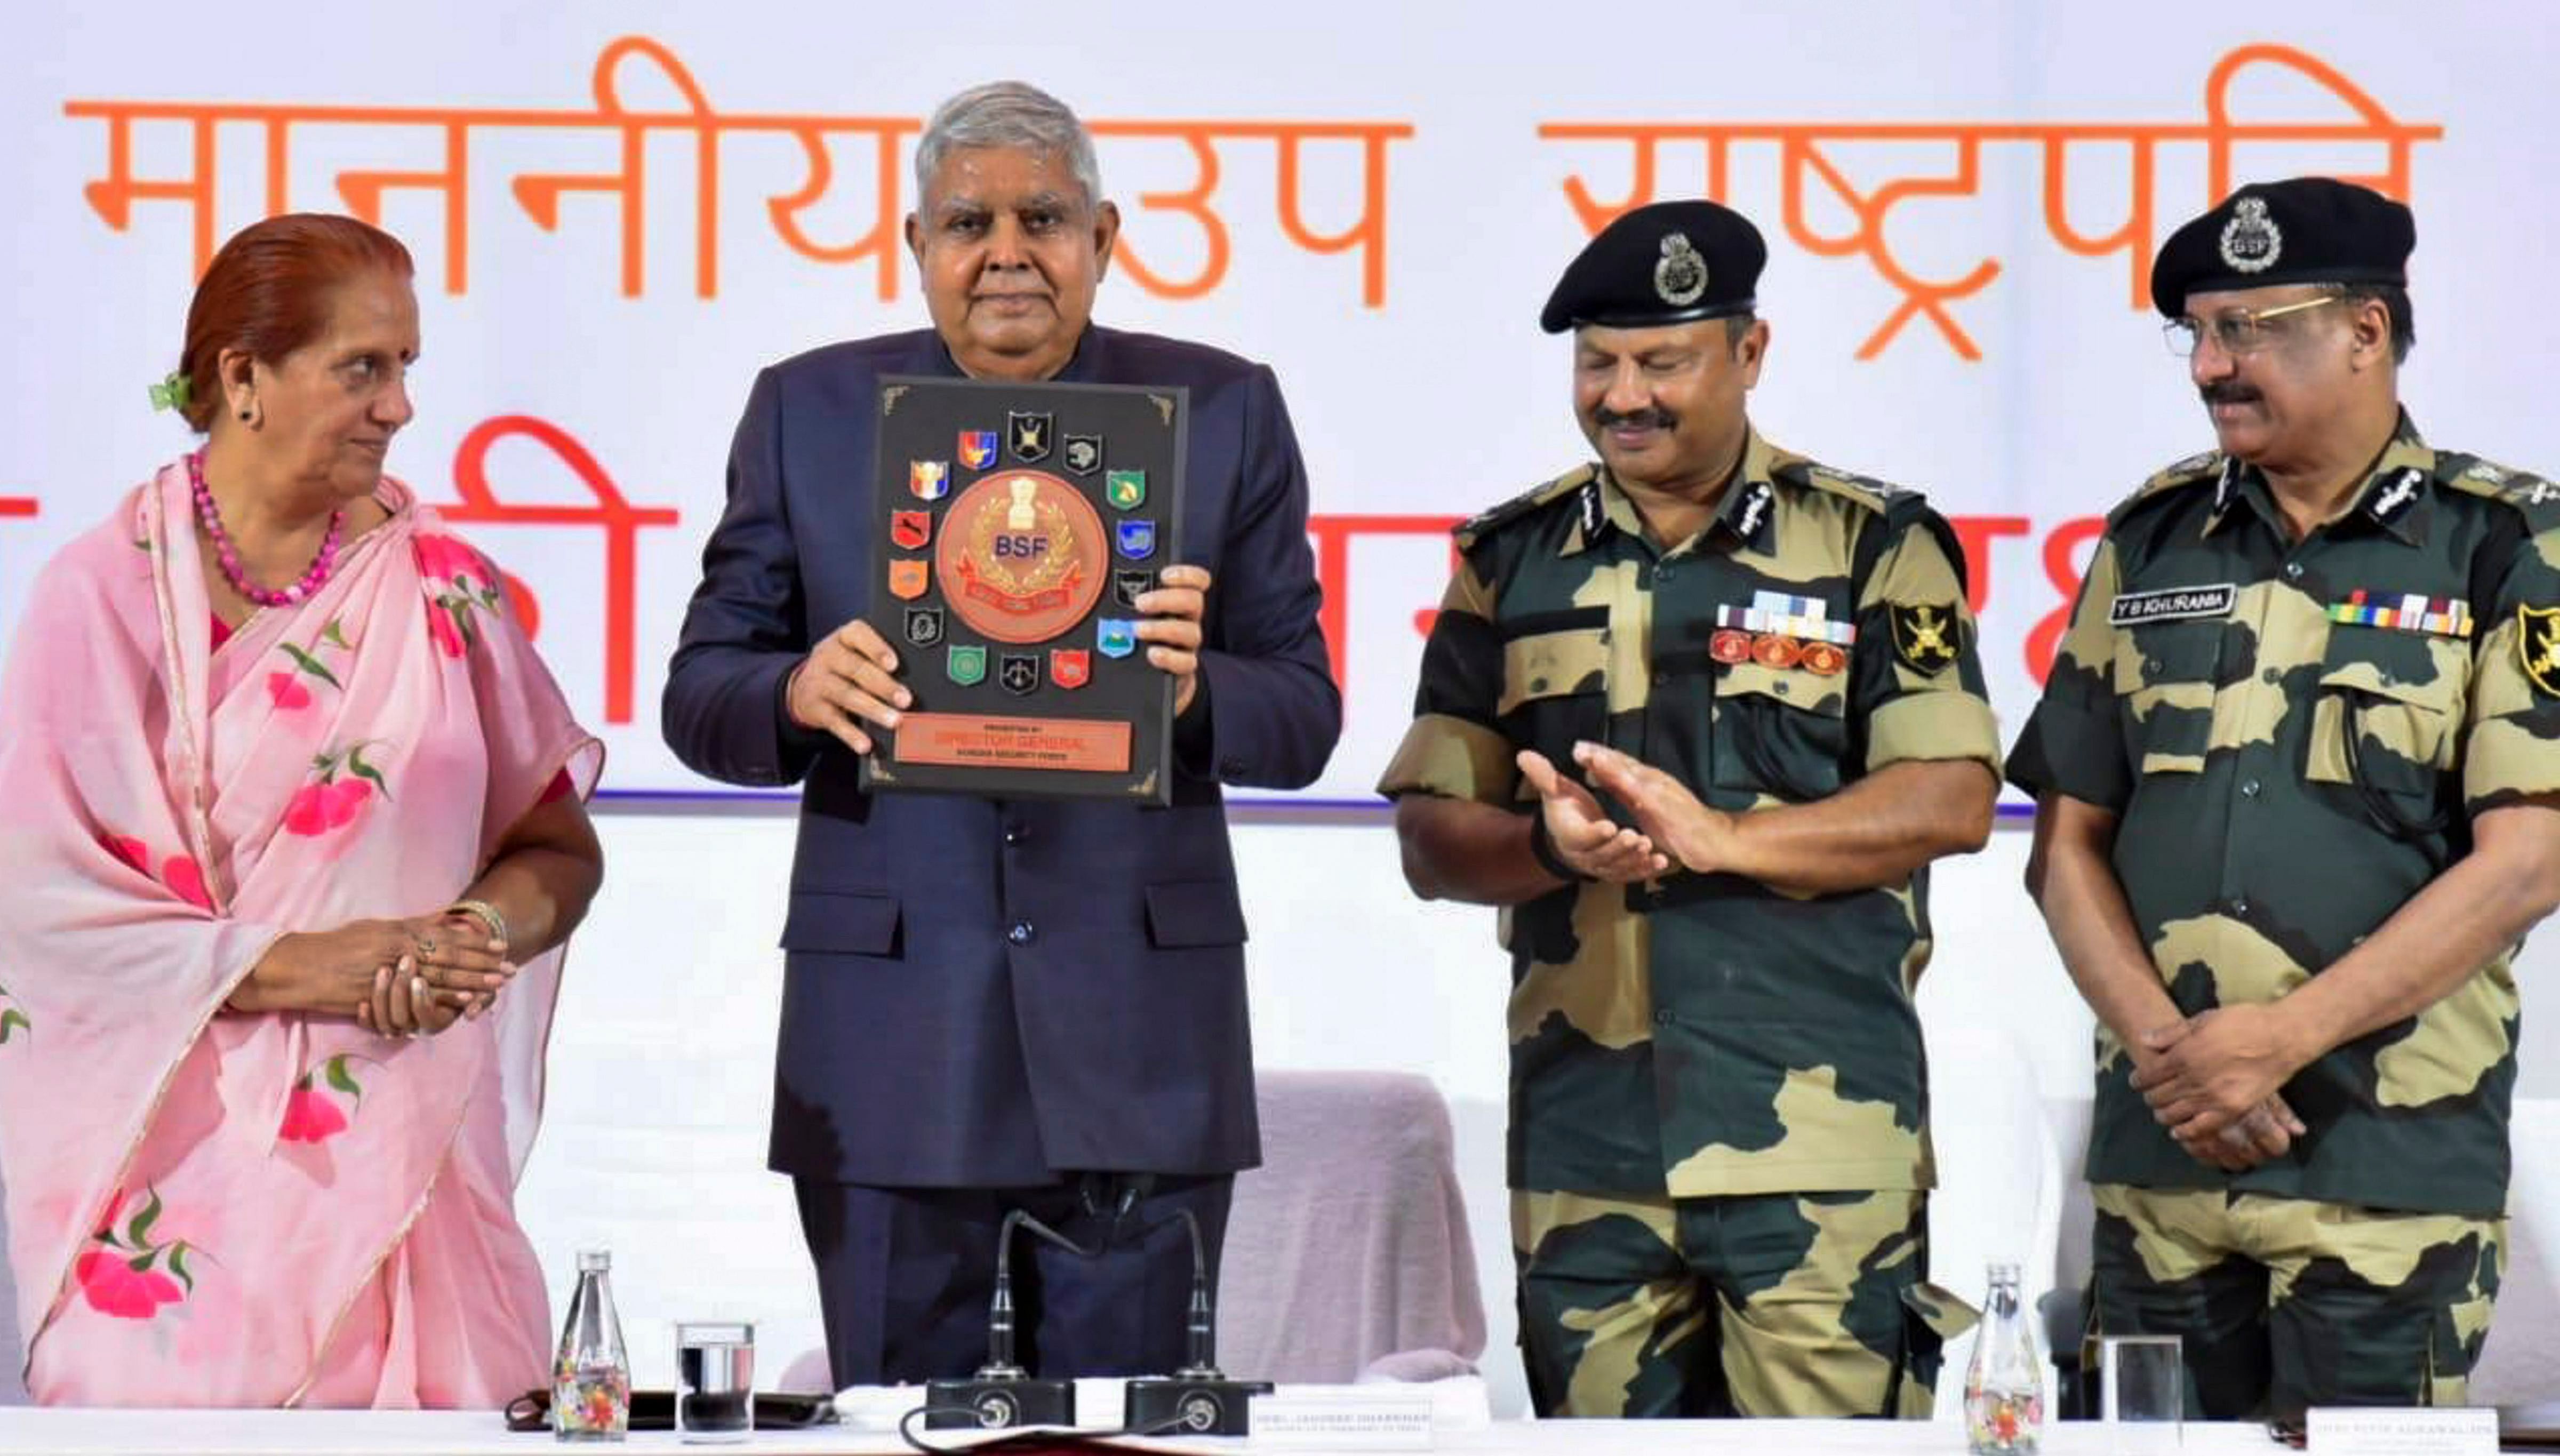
x=1934, y=323
x=588, y=350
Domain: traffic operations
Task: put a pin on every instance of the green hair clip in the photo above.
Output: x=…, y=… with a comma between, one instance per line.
x=172, y=393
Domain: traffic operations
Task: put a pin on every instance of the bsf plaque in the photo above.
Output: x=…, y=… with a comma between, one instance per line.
x=1014, y=528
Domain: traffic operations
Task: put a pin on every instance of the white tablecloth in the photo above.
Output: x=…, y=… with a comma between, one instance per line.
x=303, y=1433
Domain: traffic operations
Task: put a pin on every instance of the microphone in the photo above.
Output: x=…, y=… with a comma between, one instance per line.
x=1003, y=1393
x=1197, y=1400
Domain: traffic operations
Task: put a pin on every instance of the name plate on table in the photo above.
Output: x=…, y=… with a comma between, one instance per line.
x=2450, y=1431
x=1014, y=528
x=1385, y=1416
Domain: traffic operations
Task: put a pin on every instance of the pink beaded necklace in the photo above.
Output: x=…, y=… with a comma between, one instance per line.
x=228, y=555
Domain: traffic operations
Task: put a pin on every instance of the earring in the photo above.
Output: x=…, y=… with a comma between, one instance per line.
x=243, y=416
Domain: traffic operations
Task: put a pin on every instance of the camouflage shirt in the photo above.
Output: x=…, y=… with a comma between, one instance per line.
x=2295, y=736
x=1706, y=1035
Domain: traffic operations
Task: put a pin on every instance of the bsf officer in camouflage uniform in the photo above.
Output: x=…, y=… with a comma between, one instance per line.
x=2295, y=770
x=1697, y=717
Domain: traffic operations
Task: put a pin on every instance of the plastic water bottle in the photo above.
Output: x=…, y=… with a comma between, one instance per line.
x=2004, y=1384
x=592, y=1379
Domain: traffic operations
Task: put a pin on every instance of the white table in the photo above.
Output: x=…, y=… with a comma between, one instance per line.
x=463, y=1433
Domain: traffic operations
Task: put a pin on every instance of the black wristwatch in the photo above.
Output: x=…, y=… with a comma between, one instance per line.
x=1541, y=848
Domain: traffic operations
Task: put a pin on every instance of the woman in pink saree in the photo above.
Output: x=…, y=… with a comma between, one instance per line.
x=293, y=833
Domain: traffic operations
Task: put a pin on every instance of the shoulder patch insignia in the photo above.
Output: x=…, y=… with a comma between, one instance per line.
x=2537, y=646
x=1922, y=633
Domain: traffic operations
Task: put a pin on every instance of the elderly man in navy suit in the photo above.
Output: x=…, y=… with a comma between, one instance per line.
x=996, y=1004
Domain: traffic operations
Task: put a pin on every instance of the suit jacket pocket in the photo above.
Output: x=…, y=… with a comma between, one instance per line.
x=836, y=923
x=1192, y=912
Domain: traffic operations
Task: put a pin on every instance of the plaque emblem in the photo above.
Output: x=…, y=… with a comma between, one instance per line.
x=1136, y=538
x=1021, y=555
x=910, y=529
x=928, y=480
x=908, y=579
x=923, y=626
x=1070, y=667
x=1128, y=586
x=977, y=448
x=966, y=664
x=1125, y=489
x=1028, y=433
x=1020, y=673
x=1084, y=453
x=1114, y=636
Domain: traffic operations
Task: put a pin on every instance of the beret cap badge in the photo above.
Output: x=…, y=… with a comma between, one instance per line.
x=2251, y=240
x=1679, y=278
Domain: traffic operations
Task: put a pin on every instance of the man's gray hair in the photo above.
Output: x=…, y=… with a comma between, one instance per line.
x=1008, y=113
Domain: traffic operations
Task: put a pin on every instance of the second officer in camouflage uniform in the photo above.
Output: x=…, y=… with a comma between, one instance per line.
x=2295, y=766
x=1697, y=717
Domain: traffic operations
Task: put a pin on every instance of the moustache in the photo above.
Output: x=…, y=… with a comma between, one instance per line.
x=2228, y=394
x=1650, y=418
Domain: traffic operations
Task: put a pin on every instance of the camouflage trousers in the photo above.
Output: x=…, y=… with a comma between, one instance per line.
x=2286, y=1303
x=1768, y=1305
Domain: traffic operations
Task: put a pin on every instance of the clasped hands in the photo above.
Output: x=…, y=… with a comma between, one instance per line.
x=2211, y=1079
x=397, y=978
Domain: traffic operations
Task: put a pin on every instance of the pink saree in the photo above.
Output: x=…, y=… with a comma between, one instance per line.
x=209, y=1209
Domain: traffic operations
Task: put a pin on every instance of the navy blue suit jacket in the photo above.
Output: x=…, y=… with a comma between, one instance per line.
x=986, y=993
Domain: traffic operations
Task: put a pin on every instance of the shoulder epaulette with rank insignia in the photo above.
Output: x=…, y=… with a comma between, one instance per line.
x=1901, y=508
x=2536, y=498
x=1866, y=490
x=1474, y=528
x=2198, y=469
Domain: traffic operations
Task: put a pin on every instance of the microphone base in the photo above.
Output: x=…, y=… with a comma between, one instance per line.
x=1182, y=1406
x=978, y=1404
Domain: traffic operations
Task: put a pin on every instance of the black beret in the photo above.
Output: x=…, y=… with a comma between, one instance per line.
x=1668, y=263
x=2310, y=230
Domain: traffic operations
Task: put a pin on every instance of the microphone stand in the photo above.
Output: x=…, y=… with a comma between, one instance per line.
x=1197, y=1400
x=1003, y=1393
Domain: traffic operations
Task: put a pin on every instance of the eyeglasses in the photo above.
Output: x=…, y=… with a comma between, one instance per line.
x=2241, y=331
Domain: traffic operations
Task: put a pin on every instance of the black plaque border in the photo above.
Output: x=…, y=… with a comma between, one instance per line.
x=1149, y=779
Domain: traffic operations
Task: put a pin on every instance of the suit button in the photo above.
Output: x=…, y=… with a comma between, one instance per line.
x=1664, y=1018
x=1022, y=933
x=1015, y=834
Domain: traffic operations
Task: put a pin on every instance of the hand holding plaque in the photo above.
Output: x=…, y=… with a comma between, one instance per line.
x=849, y=680
x=1011, y=564
x=1171, y=627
